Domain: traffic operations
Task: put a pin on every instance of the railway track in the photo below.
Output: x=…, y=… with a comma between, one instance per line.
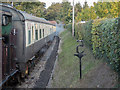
x=40, y=75
x=45, y=75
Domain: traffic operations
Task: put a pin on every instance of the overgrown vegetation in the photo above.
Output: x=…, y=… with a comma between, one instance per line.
x=103, y=37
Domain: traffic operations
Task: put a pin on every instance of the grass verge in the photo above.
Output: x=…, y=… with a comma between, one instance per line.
x=66, y=74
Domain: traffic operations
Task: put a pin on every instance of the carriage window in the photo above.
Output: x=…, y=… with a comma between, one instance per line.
x=32, y=33
x=36, y=34
x=6, y=20
x=43, y=32
x=29, y=37
x=40, y=33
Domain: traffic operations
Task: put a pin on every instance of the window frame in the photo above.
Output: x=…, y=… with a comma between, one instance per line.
x=40, y=36
x=36, y=34
x=9, y=19
x=29, y=37
x=43, y=33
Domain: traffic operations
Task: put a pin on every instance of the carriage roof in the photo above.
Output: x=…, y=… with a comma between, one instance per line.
x=33, y=18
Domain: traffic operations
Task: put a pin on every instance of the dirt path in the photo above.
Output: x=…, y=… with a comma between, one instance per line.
x=100, y=77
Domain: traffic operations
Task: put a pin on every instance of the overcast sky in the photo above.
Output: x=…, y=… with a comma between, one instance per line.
x=49, y=2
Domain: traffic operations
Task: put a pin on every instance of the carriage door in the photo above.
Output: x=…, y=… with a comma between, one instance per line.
x=8, y=66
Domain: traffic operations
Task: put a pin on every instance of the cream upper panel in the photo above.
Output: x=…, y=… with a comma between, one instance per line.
x=33, y=33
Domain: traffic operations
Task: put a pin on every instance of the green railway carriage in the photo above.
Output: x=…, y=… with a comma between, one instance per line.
x=23, y=35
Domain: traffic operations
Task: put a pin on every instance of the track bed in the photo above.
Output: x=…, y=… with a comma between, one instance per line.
x=40, y=75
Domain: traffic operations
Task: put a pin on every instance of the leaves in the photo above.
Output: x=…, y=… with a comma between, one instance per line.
x=99, y=10
x=103, y=37
x=52, y=13
x=35, y=8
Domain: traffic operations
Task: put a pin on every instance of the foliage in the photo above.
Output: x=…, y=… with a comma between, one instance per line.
x=83, y=31
x=87, y=33
x=60, y=11
x=35, y=8
x=111, y=42
x=69, y=27
x=102, y=35
x=85, y=5
x=78, y=8
x=99, y=10
x=53, y=12
x=66, y=12
x=86, y=14
x=96, y=37
x=107, y=9
x=78, y=34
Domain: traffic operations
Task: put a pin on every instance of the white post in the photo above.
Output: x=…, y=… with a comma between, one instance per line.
x=73, y=21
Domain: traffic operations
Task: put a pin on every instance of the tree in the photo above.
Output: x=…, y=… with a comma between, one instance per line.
x=85, y=5
x=64, y=0
x=66, y=6
x=35, y=8
x=53, y=12
x=86, y=14
x=78, y=8
x=78, y=18
x=107, y=9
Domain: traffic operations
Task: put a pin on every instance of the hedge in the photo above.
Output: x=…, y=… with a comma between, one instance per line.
x=69, y=27
x=103, y=37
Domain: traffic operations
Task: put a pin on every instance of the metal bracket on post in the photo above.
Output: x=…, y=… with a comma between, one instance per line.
x=80, y=55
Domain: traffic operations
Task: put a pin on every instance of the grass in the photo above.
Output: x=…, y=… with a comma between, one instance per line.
x=66, y=74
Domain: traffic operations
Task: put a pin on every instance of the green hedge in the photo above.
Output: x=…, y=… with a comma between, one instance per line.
x=78, y=34
x=103, y=37
x=83, y=31
x=69, y=27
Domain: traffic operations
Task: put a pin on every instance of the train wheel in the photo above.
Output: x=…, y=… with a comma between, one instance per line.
x=26, y=71
x=29, y=68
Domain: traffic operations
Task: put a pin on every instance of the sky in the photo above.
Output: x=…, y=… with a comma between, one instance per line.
x=49, y=2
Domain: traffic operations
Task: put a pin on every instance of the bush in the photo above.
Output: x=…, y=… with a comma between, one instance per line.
x=103, y=36
x=83, y=31
x=69, y=27
x=78, y=31
x=110, y=46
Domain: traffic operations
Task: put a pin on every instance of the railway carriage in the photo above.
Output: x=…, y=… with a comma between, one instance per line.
x=23, y=35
